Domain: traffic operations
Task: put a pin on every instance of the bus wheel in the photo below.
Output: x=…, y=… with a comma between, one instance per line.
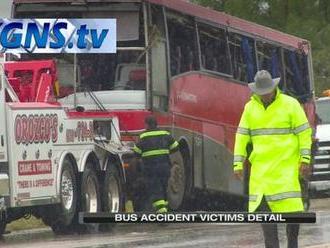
x=61, y=221
x=177, y=182
x=113, y=200
x=90, y=196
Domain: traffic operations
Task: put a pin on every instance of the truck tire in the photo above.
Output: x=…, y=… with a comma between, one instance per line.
x=177, y=185
x=61, y=221
x=113, y=200
x=90, y=197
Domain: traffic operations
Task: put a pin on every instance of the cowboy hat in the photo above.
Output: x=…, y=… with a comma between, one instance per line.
x=263, y=83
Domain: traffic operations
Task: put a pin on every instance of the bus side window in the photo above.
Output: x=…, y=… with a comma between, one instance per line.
x=297, y=76
x=213, y=49
x=183, y=45
x=270, y=59
x=243, y=57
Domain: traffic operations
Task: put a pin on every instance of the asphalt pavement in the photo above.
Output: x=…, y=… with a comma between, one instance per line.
x=177, y=235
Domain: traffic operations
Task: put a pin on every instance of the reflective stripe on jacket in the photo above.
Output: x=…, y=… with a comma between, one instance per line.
x=155, y=143
x=281, y=140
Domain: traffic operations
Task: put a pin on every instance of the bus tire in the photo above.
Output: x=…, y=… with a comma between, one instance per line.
x=90, y=197
x=113, y=199
x=178, y=182
x=61, y=221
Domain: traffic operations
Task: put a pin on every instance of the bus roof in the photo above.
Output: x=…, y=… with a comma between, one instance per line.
x=213, y=16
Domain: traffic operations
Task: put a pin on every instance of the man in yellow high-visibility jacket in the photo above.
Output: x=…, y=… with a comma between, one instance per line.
x=276, y=126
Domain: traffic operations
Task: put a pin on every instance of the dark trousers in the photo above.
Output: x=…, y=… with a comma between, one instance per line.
x=157, y=176
x=271, y=233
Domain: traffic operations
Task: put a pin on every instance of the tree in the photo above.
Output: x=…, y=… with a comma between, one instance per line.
x=215, y=4
x=324, y=8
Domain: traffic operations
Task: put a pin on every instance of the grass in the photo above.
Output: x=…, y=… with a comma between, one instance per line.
x=129, y=207
x=25, y=224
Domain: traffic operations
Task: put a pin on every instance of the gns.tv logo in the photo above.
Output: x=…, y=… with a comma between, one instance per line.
x=58, y=35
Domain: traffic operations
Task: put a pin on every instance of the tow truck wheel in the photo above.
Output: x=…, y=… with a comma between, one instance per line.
x=113, y=200
x=90, y=196
x=177, y=182
x=61, y=221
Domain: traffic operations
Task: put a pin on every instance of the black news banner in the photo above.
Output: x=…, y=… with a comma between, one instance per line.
x=198, y=217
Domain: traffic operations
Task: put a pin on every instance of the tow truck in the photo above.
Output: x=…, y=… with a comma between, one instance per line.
x=54, y=163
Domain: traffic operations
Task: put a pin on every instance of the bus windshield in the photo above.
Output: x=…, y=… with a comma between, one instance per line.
x=323, y=111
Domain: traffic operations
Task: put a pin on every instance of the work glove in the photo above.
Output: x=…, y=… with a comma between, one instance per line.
x=305, y=170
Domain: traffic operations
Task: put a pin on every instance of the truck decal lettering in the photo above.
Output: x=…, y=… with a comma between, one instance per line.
x=18, y=130
x=36, y=129
x=47, y=129
x=54, y=128
x=38, y=167
x=42, y=128
x=84, y=132
x=31, y=129
x=36, y=183
x=24, y=128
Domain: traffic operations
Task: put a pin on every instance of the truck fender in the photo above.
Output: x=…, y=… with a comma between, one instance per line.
x=83, y=160
x=60, y=159
x=116, y=161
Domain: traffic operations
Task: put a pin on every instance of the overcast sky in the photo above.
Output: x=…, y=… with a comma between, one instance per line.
x=5, y=8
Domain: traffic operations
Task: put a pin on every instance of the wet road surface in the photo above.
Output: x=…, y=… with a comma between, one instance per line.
x=177, y=235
